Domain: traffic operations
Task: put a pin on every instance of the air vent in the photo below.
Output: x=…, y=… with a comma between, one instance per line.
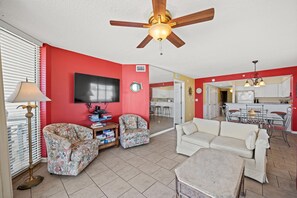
x=140, y=68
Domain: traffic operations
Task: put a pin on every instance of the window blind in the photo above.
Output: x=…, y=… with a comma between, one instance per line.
x=20, y=60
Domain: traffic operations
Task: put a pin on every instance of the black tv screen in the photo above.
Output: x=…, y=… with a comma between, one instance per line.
x=95, y=89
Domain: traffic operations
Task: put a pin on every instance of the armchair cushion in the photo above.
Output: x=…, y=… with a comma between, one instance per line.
x=82, y=149
x=130, y=122
x=136, y=130
x=66, y=131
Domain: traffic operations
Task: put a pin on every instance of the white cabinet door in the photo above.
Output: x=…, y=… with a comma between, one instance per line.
x=270, y=90
x=259, y=92
x=155, y=93
x=171, y=93
x=286, y=88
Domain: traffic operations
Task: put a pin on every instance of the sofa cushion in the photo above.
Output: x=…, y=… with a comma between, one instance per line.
x=207, y=126
x=237, y=130
x=250, y=140
x=232, y=145
x=189, y=128
x=199, y=138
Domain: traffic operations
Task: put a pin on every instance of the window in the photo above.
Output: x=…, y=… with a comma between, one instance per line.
x=20, y=60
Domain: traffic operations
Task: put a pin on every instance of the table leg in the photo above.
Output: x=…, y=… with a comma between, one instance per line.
x=242, y=186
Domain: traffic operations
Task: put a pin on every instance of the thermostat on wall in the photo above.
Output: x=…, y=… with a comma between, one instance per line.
x=140, y=68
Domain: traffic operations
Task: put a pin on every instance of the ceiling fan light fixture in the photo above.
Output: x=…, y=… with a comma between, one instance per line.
x=160, y=31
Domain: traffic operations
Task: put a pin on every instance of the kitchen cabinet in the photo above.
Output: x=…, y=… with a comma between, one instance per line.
x=268, y=91
x=285, y=88
x=162, y=93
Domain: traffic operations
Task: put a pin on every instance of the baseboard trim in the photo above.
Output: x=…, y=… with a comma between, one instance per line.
x=44, y=160
x=161, y=132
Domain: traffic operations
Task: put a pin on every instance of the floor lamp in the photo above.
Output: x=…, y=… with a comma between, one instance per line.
x=28, y=92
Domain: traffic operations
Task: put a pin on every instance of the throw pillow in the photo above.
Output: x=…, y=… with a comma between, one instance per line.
x=190, y=128
x=131, y=122
x=250, y=140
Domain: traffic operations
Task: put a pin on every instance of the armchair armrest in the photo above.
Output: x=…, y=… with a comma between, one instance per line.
x=142, y=123
x=122, y=126
x=57, y=147
x=83, y=133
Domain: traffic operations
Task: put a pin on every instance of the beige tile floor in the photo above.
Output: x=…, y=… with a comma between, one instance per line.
x=148, y=171
x=160, y=123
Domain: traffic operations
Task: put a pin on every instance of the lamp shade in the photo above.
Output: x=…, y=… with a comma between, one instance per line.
x=26, y=92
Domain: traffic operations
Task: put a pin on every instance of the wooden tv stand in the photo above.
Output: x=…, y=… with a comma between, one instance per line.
x=109, y=125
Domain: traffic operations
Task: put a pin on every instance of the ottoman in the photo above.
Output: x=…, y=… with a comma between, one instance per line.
x=210, y=173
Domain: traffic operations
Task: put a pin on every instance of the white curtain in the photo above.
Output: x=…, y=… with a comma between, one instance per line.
x=5, y=177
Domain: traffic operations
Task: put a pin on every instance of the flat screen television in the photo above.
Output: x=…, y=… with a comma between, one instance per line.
x=95, y=89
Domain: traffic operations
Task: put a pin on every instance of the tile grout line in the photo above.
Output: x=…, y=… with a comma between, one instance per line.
x=96, y=184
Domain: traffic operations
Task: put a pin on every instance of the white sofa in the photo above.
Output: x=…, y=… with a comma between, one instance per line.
x=227, y=136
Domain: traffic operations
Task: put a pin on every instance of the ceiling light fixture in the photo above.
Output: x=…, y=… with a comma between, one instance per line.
x=159, y=31
x=256, y=80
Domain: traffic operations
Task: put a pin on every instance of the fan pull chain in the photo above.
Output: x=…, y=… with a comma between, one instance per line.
x=160, y=47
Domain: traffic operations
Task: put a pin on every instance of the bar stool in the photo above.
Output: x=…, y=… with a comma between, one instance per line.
x=158, y=110
x=166, y=111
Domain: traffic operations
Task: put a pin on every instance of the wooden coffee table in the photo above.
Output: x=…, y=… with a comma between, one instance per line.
x=210, y=173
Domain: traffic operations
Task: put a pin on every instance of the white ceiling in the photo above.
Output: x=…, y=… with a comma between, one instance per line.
x=158, y=75
x=240, y=32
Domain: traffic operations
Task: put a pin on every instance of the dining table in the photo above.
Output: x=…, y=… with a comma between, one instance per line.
x=262, y=119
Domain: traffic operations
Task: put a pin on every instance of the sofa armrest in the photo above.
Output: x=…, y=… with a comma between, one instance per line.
x=180, y=132
x=83, y=133
x=262, y=144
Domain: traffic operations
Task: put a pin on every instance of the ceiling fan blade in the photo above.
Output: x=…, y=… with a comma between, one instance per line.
x=175, y=40
x=129, y=24
x=198, y=17
x=159, y=8
x=143, y=43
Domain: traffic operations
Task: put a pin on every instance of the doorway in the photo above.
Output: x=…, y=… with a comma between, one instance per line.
x=179, y=102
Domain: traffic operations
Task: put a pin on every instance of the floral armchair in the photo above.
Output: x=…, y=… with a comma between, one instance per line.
x=70, y=148
x=133, y=131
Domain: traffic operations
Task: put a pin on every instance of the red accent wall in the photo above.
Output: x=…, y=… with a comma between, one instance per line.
x=136, y=103
x=57, y=82
x=264, y=73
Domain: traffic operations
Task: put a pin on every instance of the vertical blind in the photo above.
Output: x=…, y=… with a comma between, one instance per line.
x=20, y=60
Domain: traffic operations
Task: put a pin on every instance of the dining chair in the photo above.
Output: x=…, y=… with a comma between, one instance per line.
x=228, y=114
x=285, y=127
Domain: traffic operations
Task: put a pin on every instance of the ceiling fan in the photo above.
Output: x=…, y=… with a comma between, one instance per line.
x=160, y=23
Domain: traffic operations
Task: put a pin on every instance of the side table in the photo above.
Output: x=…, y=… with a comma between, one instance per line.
x=109, y=125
